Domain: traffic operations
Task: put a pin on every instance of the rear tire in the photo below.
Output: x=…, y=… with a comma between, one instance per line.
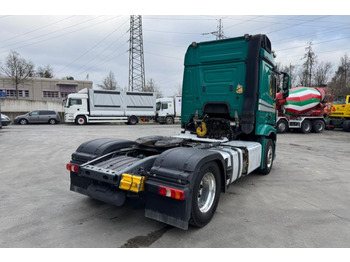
x=206, y=194
x=133, y=120
x=282, y=126
x=318, y=126
x=306, y=127
x=52, y=121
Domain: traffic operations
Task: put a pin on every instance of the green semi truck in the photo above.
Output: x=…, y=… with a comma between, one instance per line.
x=227, y=131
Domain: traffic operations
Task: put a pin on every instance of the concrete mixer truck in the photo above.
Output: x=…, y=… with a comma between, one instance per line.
x=302, y=110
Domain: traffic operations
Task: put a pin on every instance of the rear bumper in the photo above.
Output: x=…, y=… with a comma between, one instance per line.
x=103, y=192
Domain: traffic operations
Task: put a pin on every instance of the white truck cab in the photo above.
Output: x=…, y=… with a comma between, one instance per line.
x=168, y=109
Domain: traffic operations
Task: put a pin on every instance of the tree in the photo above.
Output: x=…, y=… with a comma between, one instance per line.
x=151, y=86
x=178, y=91
x=44, y=72
x=322, y=72
x=340, y=83
x=305, y=75
x=68, y=78
x=109, y=83
x=18, y=69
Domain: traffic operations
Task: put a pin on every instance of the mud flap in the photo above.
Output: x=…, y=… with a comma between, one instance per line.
x=167, y=210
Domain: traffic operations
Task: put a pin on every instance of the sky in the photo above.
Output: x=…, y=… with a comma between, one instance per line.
x=89, y=43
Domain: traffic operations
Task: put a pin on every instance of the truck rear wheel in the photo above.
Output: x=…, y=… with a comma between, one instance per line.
x=133, y=120
x=282, y=126
x=206, y=194
x=306, y=126
x=318, y=126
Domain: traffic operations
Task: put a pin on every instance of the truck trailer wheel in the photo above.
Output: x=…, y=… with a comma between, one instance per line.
x=80, y=120
x=306, y=126
x=318, y=126
x=282, y=126
x=268, y=157
x=206, y=194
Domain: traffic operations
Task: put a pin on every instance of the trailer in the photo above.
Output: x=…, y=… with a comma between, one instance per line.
x=227, y=131
x=101, y=106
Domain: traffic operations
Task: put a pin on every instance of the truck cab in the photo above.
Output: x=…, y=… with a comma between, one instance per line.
x=339, y=116
x=168, y=109
x=76, y=104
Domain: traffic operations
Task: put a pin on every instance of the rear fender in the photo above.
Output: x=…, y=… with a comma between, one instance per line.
x=98, y=147
x=176, y=168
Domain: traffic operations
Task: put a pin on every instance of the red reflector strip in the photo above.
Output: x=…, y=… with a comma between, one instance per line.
x=72, y=167
x=171, y=192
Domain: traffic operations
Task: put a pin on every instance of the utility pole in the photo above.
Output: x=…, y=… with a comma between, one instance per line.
x=136, y=61
x=219, y=33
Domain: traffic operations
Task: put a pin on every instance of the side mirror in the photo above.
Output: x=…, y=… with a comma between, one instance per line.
x=285, y=85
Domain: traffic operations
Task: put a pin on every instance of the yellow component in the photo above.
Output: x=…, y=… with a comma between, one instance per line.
x=342, y=110
x=132, y=183
x=201, y=130
x=239, y=89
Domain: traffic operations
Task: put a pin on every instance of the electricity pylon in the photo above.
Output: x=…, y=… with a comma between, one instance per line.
x=136, y=61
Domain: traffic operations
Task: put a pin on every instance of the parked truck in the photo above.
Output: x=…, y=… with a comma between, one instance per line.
x=303, y=110
x=227, y=131
x=339, y=116
x=100, y=106
x=168, y=110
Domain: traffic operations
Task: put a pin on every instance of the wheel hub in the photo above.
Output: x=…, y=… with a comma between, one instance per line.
x=206, y=192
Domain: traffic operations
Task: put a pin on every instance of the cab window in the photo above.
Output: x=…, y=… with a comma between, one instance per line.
x=74, y=101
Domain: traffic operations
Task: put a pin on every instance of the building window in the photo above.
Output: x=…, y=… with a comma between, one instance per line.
x=12, y=92
x=65, y=94
x=50, y=94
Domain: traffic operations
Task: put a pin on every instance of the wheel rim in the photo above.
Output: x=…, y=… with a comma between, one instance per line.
x=307, y=127
x=81, y=121
x=23, y=122
x=206, y=192
x=52, y=122
x=319, y=127
x=269, y=157
x=282, y=126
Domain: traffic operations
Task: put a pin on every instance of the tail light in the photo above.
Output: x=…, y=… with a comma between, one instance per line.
x=72, y=167
x=171, y=192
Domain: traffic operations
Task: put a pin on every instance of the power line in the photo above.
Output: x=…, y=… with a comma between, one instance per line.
x=37, y=29
x=326, y=41
x=93, y=47
x=40, y=36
